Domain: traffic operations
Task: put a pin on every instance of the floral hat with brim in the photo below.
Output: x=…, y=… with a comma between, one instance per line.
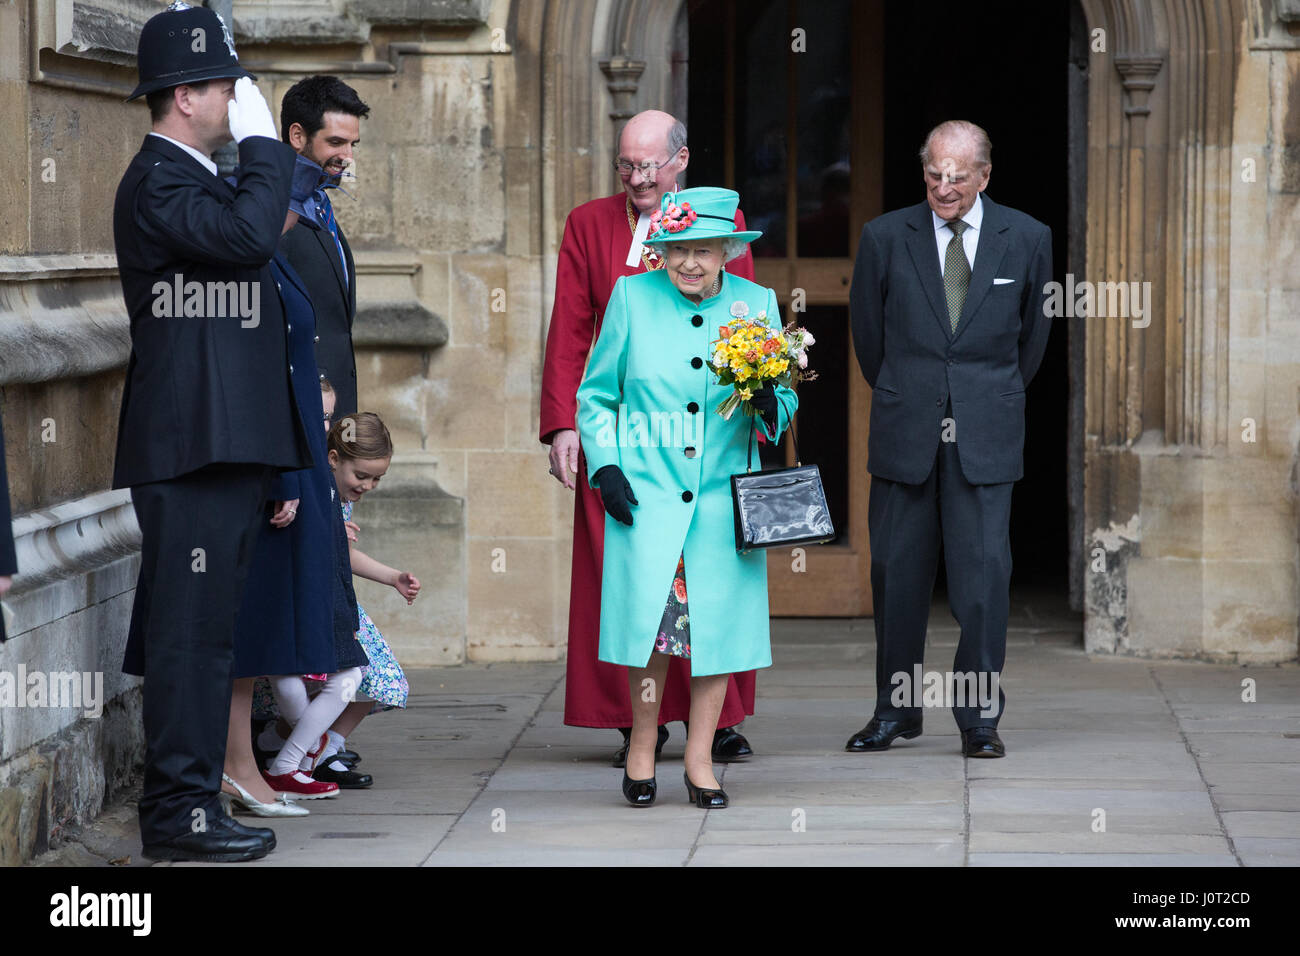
x=702, y=212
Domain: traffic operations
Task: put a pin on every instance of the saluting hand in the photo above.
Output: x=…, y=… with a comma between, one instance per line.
x=248, y=113
x=615, y=493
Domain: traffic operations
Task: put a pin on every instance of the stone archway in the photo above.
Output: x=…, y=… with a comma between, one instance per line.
x=1175, y=566
x=1172, y=493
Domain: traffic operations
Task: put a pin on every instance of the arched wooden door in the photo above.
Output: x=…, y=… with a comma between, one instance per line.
x=785, y=107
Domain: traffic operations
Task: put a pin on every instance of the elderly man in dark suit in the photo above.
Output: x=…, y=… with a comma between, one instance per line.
x=320, y=117
x=949, y=328
x=208, y=413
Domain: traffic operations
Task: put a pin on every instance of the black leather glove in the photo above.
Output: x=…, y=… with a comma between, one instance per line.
x=764, y=401
x=615, y=493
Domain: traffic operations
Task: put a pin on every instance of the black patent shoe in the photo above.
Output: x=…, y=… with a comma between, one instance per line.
x=620, y=755
x=982, y=742
x=224, y=841
x=349, y=757
x=346, y=779
x=705, y=799
x=639, y=793
x=879, y=734
x=730, y=745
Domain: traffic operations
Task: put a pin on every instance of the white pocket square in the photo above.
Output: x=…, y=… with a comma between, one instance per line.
x=1002, y=281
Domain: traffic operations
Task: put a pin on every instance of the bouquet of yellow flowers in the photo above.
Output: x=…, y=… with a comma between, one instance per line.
x=750, y=354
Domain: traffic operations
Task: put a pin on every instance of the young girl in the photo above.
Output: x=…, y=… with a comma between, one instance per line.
x=360, y=450
x=310, y=716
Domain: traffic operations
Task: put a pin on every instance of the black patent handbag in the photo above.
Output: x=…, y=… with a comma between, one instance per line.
x=781, y=507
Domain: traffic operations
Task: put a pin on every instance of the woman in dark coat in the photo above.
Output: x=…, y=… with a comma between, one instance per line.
x=299, y=613
x=8, y=562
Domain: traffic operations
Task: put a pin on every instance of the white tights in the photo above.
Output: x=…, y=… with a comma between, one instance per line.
x=310, y=717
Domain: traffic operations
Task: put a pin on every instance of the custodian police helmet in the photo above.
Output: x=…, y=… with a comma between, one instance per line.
x=185, y=44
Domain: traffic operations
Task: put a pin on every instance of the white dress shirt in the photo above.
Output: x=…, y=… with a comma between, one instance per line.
x=207, y=162
x=969, y=239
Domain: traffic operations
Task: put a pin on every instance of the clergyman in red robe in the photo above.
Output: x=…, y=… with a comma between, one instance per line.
x=601, y=243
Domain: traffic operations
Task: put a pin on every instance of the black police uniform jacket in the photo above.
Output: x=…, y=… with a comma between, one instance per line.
x=208, y=378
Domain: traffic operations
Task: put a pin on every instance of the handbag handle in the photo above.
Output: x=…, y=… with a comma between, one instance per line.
x=749, y=457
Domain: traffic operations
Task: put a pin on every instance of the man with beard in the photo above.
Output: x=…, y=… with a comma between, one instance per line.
x=320, y=117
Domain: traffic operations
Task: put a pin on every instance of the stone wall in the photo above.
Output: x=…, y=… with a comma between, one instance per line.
x=1193, y=412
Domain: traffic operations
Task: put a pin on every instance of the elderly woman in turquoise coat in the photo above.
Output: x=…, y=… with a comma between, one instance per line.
x=662, y=460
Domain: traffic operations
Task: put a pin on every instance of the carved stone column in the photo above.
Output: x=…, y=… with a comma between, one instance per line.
x=1138, y=73
x=624, y=75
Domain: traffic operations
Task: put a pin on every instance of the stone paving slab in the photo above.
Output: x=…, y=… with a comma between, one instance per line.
x=1081, y=839
x=1103, y=859
x=480, y=770
x=832, y=854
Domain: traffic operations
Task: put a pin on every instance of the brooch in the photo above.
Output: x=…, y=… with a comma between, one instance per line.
x=739, y=309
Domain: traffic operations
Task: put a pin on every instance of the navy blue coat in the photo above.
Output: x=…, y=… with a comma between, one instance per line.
x=299, y=612
x=8, y=563
x=915, y=363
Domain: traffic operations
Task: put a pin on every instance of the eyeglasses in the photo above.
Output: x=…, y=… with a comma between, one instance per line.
x=678, y=254
x=646, y=169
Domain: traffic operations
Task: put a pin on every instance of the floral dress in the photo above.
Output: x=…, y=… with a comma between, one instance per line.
x=383, y=681
x=675, y=626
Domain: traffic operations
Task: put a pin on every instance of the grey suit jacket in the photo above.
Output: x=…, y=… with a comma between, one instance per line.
x=915, y=363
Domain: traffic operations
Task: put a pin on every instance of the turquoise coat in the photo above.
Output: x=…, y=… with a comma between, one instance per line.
x=642, y=406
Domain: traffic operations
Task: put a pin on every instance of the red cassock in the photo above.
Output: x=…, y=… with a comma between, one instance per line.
x=593, y=255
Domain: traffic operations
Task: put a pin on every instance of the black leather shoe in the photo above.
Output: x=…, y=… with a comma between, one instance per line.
x=620, y=755
x=265, y=834
x=639, y=793
x=705, y=799
x=346, y=779
x=879, y=734
x=221, y=842
x=982, y=742
x=349, y=757
x=729, y=745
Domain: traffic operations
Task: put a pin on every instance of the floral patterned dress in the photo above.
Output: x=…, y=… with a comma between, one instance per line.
x=383, y=681
x=675, y=626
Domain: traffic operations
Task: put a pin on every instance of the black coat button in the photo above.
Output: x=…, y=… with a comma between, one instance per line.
x=689, y=451
x=697, y=320
x=697, y=362
x=687, y=496
x=692, y=407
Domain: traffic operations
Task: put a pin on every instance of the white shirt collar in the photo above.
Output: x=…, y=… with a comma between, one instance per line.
x=973, y=217
x=207, y=162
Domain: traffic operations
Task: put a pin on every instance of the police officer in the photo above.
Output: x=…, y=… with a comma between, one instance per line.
x=208, y=414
